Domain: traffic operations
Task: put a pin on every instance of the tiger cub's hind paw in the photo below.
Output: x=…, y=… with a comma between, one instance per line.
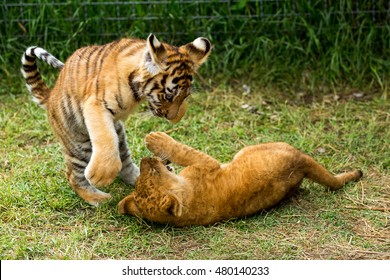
x=93, y=196
x=130, y=174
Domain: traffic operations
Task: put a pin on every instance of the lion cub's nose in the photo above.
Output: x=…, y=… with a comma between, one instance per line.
x=149, y=161
x=145, y=161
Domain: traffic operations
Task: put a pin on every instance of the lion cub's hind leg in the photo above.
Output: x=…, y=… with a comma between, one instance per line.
x=346, y=177
x=321, y=175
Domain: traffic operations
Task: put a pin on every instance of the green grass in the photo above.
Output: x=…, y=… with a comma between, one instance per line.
x=42, y=218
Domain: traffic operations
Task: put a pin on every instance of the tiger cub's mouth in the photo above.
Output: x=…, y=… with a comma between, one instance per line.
x=174, y=114
x=158, y=113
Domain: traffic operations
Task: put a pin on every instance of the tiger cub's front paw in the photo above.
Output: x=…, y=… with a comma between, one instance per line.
x=102, y=170
x=158, y=143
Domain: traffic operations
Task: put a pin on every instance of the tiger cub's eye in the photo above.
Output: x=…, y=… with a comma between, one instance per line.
x=169, y=96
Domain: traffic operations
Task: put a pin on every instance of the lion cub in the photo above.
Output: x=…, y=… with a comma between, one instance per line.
x=207, y=191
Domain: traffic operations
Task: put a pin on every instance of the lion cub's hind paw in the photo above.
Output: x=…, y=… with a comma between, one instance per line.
x=158, y=143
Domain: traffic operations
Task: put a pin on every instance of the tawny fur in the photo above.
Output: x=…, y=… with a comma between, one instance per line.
x=97, y=88
x=206, y=191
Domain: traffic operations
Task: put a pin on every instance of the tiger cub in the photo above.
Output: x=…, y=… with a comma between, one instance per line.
x=206, y=191
x=97, y=88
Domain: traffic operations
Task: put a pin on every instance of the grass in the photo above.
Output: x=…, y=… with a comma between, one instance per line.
x=42, y=218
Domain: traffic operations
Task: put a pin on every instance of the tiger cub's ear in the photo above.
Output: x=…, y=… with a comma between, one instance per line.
x=154, y=55
x=198, y=50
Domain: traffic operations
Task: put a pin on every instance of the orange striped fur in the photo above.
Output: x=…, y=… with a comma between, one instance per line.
x=97, y=88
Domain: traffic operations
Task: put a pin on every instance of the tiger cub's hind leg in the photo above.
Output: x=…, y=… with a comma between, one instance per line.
x=129, y=172
x=75, y=168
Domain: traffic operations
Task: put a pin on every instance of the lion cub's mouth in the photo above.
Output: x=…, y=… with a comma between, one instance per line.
x=167, y=165
x=169, y=168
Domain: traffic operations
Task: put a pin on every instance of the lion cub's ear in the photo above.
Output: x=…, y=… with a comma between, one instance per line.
x=128, y=206
x=171, y=205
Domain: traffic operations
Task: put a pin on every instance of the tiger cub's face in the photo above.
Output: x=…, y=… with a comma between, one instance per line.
x=173, y=69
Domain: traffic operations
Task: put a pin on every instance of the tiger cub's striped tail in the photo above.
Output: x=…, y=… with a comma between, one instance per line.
x=34, y=81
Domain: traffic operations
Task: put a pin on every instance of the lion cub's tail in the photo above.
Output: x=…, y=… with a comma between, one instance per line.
x=321, y=175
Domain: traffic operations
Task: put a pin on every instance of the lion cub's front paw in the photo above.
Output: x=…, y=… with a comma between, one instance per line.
x=158, y=143
x=102, y=170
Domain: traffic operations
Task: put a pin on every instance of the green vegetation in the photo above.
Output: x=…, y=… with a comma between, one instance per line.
x=297, y=46
x=42, y=218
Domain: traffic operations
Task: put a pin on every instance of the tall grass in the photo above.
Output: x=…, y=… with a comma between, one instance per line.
x=294, y=45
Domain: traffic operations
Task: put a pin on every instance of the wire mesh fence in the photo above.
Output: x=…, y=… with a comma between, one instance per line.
x=341, y=36
x=102, y=19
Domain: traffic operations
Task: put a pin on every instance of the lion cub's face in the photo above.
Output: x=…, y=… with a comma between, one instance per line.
x=152, y=198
